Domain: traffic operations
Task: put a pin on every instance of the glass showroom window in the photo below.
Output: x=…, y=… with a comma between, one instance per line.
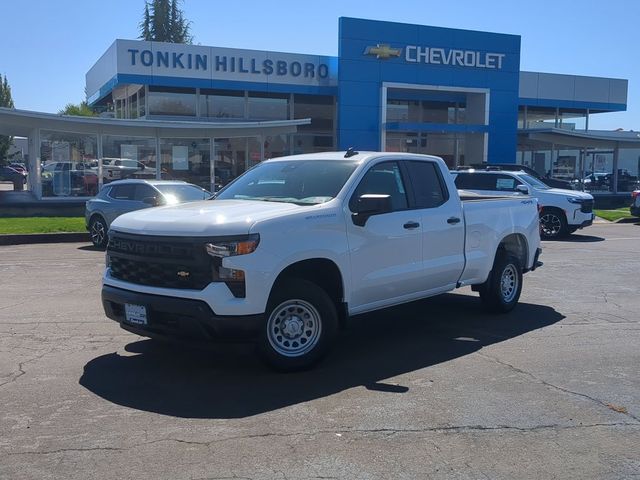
x=572, y=119
x=233, y=156
x=540, y=117
x=170, y=101
x=69, y=167
x=319, y=108
x=403, y=111
x=308, y=143
x=133, y=106
x=128, y=157
x=222, y=103
x=268, y=106
x=186, y=159
x=142, y=111
x=274, y=146
x=438, y=112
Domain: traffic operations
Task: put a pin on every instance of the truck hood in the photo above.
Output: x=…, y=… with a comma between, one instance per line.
x=568, y=193
x=204, y=218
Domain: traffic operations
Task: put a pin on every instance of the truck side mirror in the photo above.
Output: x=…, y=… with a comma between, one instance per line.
x=522, y=189
x=368, y=205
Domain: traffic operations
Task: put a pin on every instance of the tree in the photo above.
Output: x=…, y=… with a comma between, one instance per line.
x=82, y=110
x=164, y=21
x=5, y=101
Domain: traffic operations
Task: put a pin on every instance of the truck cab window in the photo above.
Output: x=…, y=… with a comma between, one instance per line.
x=383, y=179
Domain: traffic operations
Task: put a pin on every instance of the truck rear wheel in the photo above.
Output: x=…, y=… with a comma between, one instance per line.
x=301, y=322
x=501, y=292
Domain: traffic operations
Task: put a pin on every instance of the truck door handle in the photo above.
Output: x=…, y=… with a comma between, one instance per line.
x=453, y=220
x=411, y=225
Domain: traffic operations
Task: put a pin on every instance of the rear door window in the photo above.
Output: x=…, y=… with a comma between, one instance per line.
x=428, y=185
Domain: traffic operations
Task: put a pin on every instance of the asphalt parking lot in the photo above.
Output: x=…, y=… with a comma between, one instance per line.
x=434, y=389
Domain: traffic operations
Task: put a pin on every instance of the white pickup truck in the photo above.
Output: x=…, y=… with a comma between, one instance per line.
x=288, y=251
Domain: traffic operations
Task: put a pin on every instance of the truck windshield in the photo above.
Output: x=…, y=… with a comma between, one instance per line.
x=303, y=182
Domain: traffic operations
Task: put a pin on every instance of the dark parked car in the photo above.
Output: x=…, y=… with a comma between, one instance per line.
x=122, y=196
x=10, y=174
x=21, y=167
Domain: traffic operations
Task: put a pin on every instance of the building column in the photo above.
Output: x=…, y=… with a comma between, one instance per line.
x=158, y=157
x=212, y=164
x=616, y=154
x=586, y=122
x=100, y=154
x=35, y=164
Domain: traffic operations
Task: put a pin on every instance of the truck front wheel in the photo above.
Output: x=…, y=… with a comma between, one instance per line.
x=301, y=321
x=501, y=291
x=553, y=223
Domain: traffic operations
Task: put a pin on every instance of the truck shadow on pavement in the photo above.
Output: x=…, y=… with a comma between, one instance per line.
x=577, y=238
x=231, y=382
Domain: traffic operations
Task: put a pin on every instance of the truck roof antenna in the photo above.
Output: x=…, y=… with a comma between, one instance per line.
x=350, y=152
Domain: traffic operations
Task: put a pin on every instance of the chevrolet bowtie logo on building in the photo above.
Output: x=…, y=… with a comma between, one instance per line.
x=383, y=51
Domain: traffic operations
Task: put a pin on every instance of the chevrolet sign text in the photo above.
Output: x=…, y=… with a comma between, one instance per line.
x=448, y=56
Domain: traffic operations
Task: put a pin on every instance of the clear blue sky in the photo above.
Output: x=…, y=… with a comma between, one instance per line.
x=47, y=46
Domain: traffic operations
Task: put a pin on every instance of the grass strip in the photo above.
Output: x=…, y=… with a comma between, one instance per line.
x=22, y=225
x=613, y=215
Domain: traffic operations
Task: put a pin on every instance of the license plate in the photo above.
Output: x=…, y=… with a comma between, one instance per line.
x=136, y=314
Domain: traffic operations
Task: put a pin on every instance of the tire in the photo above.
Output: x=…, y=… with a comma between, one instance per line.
x=98, y=232
x=553, y=224
x=501, y=291
x=311, y=321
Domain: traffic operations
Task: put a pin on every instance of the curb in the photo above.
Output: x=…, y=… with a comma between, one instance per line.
x=628, y=220
x=20, y=239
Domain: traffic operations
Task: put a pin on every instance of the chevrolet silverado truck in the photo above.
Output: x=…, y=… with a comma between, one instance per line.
x=287, y=252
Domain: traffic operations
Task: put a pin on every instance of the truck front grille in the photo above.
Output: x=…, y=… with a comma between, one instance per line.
x=587, y=206
x=164, y=262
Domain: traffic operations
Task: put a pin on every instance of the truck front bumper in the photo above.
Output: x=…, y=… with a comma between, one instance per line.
x=178, y=319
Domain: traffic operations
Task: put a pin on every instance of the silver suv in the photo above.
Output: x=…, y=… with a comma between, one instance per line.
x=124, y=196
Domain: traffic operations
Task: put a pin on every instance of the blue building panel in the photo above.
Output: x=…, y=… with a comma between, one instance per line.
x=361, y=140
x=448, y=59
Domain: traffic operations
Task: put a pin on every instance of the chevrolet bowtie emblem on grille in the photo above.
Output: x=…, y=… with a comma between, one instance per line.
x=383, y=51
x=183, y=274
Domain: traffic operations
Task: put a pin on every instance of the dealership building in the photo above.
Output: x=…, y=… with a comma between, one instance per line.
x=206, y=114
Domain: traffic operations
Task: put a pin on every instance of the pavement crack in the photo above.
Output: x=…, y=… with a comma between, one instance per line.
x=16, y=375
x=67, y=450
x=557, y=387
x=385, y=431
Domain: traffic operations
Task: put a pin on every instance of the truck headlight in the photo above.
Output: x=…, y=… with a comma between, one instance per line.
x=232, y=247
x=574, y=200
